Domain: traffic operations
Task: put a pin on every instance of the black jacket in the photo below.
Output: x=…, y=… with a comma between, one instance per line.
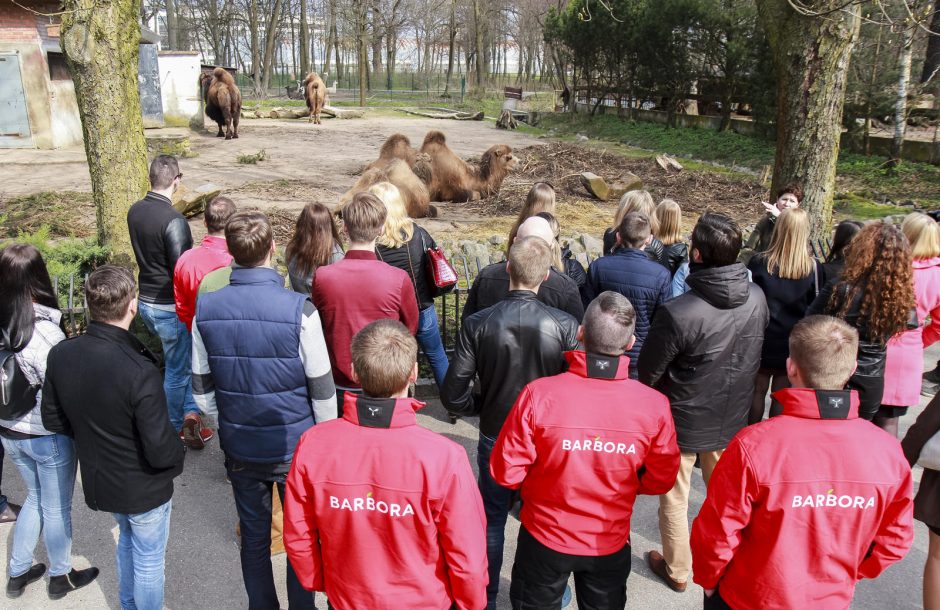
x=492, y=286
x=159, y=235
x=656, y=250
x=508, y=345
x=105, y=390
x=787, y=301
x=703, y=353
x=674, y=255
x=412, y=258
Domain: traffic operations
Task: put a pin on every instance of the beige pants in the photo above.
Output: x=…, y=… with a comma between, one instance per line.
x=674, y=515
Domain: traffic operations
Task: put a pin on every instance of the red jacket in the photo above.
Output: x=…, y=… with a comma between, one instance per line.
x=190, y=268
x=354, y=292
x=802, y=506
x=383, y=514
x=582, y=445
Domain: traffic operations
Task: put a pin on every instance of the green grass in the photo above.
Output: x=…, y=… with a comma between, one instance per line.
x=251, y=159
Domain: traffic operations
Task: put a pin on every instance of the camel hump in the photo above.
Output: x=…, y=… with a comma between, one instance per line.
x=312, y=79
x=434, y=137
x=220, y=73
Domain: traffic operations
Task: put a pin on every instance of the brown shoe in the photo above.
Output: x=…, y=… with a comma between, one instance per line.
x=192, y=432
x=657, y=564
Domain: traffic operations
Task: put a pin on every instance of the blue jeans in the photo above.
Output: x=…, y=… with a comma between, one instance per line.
x=3, y=498
x=47, y=465
x=252, y=487
x=141, y=554
x=497, y=500
x=177, y=358
x=429, y=338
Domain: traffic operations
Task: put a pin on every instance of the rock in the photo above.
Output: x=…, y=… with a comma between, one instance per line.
x=592, y=245
x=498, y=240
x=595, y=185
x=625, y=183
x=473, y=251
x=581, y=137
x=191, y=202
x=575, y=245
x=583, y=259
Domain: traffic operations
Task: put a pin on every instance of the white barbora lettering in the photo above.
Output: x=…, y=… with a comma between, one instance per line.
x=598, y=446
x=369, y=503
x=833, y=500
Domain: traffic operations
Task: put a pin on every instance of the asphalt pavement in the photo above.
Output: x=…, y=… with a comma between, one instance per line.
x=203, y=570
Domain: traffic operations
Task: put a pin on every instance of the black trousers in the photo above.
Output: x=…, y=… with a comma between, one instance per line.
x=539, y=576
x=715, y=603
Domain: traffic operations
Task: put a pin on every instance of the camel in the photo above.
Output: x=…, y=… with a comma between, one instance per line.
x=453, y=179
x=223, y=101
x=413, y=190
x=315, y=94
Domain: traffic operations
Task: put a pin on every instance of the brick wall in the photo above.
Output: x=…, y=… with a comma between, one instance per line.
x=17, y=24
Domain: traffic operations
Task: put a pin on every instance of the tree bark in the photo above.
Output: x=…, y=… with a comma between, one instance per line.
x=172, y=25
x=900, y=104
x=811, y=57
x=451, y=39
x=932, y=56
x=362, y=54
x=255, y=45
x=101, y=44
x=304, y=40
x=270, y=45
x=478, y=42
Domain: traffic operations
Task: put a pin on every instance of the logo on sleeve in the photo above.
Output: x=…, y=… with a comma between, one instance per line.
x=598, y=445
x=833, y=500
x=392, y=509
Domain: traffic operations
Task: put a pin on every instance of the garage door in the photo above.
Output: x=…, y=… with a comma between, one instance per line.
x=14, y=121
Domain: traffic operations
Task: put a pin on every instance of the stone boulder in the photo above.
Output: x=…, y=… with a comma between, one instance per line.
x=190, y=202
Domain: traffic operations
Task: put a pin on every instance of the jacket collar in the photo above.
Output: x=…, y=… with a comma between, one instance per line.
x=255, y=275
x=520, y=295
x=361, y=255
x=41, y=312
x=594, y=366
x=925, y=263
x=818, y=404
x=371, y=412
x=116, y=334
x=158, y=197
x=630, y=252
x=214, y=242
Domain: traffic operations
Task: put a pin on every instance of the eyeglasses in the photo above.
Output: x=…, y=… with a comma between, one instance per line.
x=179, y=176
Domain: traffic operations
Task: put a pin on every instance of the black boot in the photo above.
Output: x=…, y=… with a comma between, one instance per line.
x=17, y=584
x=59, y=586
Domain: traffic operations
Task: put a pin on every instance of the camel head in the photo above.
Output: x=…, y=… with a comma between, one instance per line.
x=497, y=162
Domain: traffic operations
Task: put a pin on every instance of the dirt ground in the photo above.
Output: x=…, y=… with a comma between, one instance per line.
x=318, y=163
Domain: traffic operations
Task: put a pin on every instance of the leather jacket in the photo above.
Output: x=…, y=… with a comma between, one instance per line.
x=159, y=236
x=674, y=255
x=507, y=345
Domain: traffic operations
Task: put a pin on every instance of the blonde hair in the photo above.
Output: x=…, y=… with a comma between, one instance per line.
x=923, y=233
x=824, y=349
x=399, y=228
x=557, y=262
x=363, y=218
x=669, y=217
x=383, y=357
x=637, y=201
x=788, y=256
x=541, y=198
x=530, y=258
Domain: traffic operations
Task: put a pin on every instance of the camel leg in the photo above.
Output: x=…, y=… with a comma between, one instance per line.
x=221, y=134
x=235, y=118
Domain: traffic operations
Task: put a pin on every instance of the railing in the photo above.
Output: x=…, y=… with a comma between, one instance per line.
x=69, y=292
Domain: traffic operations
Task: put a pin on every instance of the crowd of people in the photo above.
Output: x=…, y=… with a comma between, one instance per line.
x=592, y=386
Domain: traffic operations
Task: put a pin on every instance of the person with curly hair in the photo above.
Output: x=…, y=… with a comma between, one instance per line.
x=875, y=294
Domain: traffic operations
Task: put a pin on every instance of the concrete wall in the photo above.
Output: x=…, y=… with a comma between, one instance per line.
x=179, y=85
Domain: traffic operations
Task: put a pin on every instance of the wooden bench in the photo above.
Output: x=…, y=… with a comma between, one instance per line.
x=512, y=93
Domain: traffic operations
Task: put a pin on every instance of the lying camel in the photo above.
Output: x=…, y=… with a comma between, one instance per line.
x=453, y=179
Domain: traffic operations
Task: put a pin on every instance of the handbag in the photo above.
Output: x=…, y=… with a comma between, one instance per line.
x=17, y=395
x=442, y=274
x=930, y=453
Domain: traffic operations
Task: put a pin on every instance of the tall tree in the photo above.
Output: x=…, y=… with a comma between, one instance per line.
x=304, y=40
x=451, y=39
x=932, y=55
x=811, y=51
x=172, y=25
x=271, y=36
x=101, y=41
x=905, y=55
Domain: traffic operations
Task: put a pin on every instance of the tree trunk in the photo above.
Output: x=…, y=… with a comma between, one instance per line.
x=362, y=54
x=811, y=56
x=328, y=45
x=304, y=40
x=900, y=104
x=391, y=52
x=172, y=25
x=478, y=42
x=101, y=44
x=255, y=45
x=451, y=39
x=932, y=56
x=270, y=45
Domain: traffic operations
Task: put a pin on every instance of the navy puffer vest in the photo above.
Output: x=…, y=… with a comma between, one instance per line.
x=251, y=331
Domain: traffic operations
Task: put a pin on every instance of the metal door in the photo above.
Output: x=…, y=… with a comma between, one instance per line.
x=14, y=120
x=148, y=79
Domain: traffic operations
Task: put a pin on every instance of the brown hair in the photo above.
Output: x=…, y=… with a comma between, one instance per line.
x=824, y=349
x=218, y=212
x=557, y=261
x=609, y=322
x=529, y=261
x=788, y=256
x=634, y=230
x=383, y=356
x=878, y=269
x=364, y=217
x=923, y=233
x=163, y=171
x=249, y=238
x=637, y=201
x=669, y=217
x=541, y=198
x=315, y=237
x=794, y=188
x=108, y=291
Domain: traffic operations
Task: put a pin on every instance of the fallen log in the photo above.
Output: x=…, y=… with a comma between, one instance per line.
x=454, y=115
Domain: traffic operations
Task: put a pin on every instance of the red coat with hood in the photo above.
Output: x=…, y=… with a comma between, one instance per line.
x=383, y=514
x=803, y=506
x=582, y=445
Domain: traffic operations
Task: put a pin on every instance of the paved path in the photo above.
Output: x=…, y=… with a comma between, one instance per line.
x=202, y=558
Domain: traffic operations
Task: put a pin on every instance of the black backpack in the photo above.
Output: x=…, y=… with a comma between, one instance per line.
x=17, y=396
